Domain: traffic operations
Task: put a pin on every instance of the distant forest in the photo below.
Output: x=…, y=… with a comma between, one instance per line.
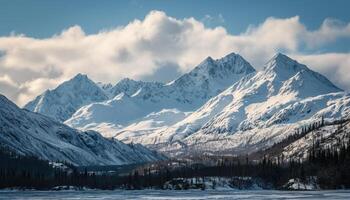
x=330, y=165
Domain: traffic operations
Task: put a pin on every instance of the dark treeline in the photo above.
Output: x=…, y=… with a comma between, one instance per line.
x=331, y=168
x=329, y=164
x=17, y=171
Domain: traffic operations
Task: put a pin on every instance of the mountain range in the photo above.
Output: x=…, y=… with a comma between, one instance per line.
x=221, y=106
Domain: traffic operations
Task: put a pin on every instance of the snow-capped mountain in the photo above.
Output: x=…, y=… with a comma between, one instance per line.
x=255, y=112
x=63, y=101
x=209, y=78
x=258, y=100
x=222, y=105
x=31, y=133
x=142, y=100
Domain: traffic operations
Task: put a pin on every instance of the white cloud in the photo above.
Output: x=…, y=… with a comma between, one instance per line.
x=330, y=30
x=142, y=48
x=8, y=86
x=336, y=66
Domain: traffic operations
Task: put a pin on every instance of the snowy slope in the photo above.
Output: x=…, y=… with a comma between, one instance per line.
x=285, y=122
x=148, y=125
x=185, y=94
x=328, y=136
x=255, y=112
x=258, y=101
x=63, y=101
x=34, y=134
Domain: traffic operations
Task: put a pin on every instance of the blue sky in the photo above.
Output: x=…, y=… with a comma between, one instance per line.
x=43, y=43
x=42, y=18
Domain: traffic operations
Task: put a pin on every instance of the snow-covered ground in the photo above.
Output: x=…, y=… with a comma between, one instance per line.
x=297, y=184
x=175, y=195
x=215, y=183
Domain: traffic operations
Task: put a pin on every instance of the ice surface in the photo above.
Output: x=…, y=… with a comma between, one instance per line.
x=175, y=195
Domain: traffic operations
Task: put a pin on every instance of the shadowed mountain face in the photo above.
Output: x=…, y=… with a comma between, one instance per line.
x=30, y=133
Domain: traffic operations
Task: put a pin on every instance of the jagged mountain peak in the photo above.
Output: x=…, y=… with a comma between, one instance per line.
x=78, y=80
x=216, y=71
x=295, y=76
x=80, y=76
x=208, y=59
x=281, y=63
x=61, y=102
x=236, y=63
x=211, y=77
x=230, y=57
x=232, y=62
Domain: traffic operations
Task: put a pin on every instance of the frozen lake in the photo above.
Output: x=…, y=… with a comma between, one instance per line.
x=164, y=194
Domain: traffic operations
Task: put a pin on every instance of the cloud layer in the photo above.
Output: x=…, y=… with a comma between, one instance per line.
x=156, y=46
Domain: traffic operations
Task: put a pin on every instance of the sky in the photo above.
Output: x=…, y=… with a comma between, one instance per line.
x=43, y=43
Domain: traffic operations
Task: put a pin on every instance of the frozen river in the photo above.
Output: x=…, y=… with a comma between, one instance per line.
x=164, y=194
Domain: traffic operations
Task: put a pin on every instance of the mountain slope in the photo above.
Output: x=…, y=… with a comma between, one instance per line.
x=257, y=101
x=319, y=136
x=332, y=135
x=30, y=133
x=257, y=111
x=184, y=94
x=63, y=101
